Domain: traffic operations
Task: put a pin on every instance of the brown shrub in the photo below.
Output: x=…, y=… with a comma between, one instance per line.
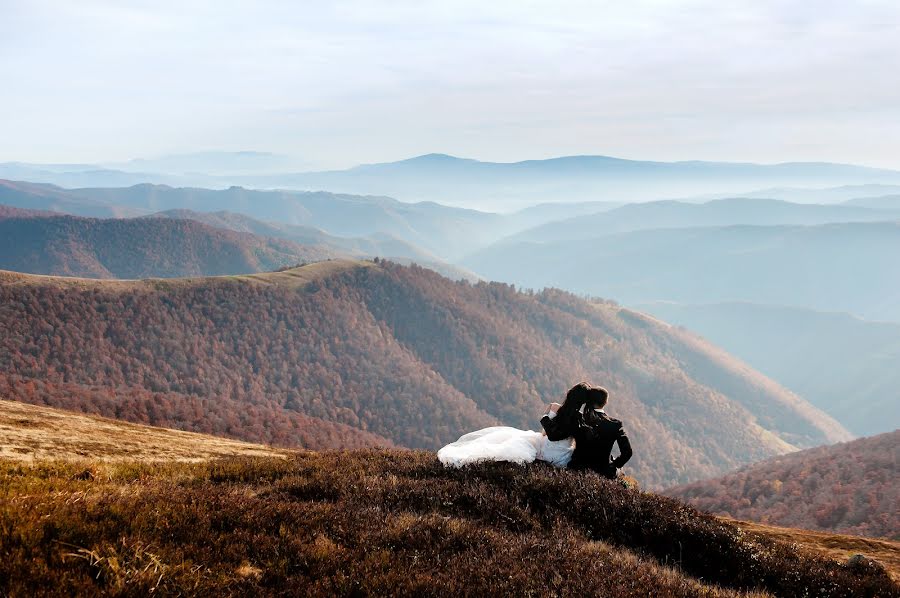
x=377, y=523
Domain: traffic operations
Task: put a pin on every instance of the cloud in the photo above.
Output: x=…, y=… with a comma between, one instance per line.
x=347, y=82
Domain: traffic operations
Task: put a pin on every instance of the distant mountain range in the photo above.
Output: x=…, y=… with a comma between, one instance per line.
x=826, y=195
x=850, y=488
x=473, y=183
x=438, y=177
x=832, y=267
x=722, y=212
x=40, y=196
x=438, y=230
x=398, y=352
x=433, y=227
x=844, y=365
x=881, y=202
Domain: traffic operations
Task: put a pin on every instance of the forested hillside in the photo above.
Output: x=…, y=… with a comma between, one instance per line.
x=844, y=365
x=850, y=487
x=399, y=352
x=383, y=245
x=11, y=212
x=137, y=248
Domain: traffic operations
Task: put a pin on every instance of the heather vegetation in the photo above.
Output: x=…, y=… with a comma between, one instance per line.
x=376, y=523
x=849, y=488
x=399, y=353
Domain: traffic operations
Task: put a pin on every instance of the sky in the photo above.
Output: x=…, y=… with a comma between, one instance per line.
x=334, y=84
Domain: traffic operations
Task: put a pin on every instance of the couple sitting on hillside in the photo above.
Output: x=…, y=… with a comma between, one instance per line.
x=577, y=434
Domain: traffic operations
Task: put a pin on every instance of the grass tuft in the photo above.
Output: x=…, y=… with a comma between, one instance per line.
x=379, y=523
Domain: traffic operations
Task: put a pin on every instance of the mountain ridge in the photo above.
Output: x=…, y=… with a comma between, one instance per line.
x=844, y=266
x=129, y=248
x=717, y=212
x=503, y=355
x=468, y=182
x=841, y=363
x=848, y=487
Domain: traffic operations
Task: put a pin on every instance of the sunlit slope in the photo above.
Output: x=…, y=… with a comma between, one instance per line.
x=392, y=352
x=35, y=433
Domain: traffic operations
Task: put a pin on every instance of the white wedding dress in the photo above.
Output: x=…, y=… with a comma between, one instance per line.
x=502, y=443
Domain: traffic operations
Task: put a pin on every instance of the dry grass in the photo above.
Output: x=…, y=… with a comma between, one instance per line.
x=290, y=278
x=835, y=546
x=379, y=523
x=29, y=433
x=303, y=275
x=140, y=519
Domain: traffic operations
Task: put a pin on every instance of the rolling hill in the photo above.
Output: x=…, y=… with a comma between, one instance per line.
x=93, y=505
x=280, y=526
x=441, y=230
x=844, y=365
x=398, y=352
x=879, y=202
x=849, y=487
x=355, y=224
x=40, y=196
x=136, y=248
x=826, y=195
x=721, y=212
x=832, y=267
x=433, y=227
x=32, y=433
x=381, y=245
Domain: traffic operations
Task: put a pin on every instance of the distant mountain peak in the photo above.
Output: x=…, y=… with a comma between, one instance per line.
x=439, y=157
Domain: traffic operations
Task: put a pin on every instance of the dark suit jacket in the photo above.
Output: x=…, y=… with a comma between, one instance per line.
x=594, y=440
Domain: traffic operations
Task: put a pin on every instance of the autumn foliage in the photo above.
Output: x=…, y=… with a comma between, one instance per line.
x=137, y=247
x=850, y=488
x=399, y=353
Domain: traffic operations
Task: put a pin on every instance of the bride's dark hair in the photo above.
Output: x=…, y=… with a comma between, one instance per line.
x=577, y=396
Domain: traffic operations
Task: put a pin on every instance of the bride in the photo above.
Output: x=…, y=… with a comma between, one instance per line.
x=502, y=443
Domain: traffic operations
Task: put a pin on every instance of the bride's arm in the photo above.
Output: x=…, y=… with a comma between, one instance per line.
x=553, y=427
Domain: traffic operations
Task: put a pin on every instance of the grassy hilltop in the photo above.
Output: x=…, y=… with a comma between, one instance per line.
x=94, y=506
x=378, y=522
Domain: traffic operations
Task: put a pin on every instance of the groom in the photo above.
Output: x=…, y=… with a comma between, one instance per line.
x=594, y=431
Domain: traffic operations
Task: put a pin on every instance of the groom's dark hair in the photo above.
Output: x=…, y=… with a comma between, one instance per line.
x=597, y=397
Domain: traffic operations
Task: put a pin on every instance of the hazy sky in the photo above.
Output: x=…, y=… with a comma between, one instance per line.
x=335, y=84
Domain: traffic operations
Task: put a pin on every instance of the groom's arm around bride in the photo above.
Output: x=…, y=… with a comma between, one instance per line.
x=557, y=427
